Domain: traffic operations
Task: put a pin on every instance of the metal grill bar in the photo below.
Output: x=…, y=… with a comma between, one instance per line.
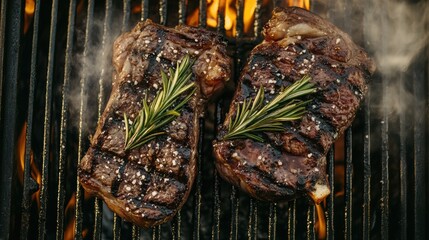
x=252, y=228
x=366, y=217
x=250, y=219
x=216, y=189
x=348, y=185
x=11, y=15
x=177, y=228
x=82, y=113
x=98, y=204
x=202, y=18
x=272, y=221
x=420, y=146
x=47, y=123
x=145, y=9
x=235, y=204
x=29, y=185
x=220, y=24
x=64, y=123
x=182, y=11
x=384, y=205
x=330, y=201
x=310, y=222
x=239, y=19
x=163, y=12
x=198, y=182
x=384, y=201
x=291, y=220
x=135, y=232
x=126, y=15
x=257, y=23
x=116, y=227
x=403, y=167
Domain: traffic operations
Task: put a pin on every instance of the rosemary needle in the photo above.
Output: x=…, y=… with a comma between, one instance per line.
x=255, y=116
x=164, y=108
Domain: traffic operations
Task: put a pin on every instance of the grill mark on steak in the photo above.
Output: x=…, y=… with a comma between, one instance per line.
x=293, y=162
x=149, y=184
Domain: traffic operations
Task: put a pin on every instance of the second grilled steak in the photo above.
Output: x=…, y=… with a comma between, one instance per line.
x=293, y=162
x=149, y=184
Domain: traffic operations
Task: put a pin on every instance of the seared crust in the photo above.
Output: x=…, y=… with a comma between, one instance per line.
x=148, y=185
x=292, y=163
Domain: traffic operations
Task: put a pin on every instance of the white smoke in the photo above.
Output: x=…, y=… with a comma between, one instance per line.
x=93, y=65
x=396, y=32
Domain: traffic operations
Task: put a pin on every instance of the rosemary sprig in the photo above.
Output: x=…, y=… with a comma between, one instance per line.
x=257, y=116
x=164, y=107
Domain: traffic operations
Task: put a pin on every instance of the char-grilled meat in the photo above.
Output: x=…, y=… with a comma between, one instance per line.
x=293, y=162
x=149, y=184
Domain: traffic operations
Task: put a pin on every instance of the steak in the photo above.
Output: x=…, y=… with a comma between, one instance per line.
x=149, y=184
x=291, y=163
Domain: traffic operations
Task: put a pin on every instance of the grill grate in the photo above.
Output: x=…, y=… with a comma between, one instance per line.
x=383, y=192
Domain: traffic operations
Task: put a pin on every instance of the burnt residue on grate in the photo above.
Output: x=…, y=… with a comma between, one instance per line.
x=55, y=79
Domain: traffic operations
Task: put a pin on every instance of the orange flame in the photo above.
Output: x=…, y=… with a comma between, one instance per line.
x=320, y=226
x=70, y=216
x=69, y=213
x=28, y=14
x=229, y=9
x=35, y=173
x=299, y=3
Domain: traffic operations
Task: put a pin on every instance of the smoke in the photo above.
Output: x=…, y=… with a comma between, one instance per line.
x=396, y=34
x=398, y=30
x=92, y=65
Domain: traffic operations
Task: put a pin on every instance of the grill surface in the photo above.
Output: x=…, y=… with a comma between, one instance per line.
x=52, y=79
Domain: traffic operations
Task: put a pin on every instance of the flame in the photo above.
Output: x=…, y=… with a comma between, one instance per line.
x=299, y=3
x=229, y=8
x=35, y=173
x=320, y=225
x=71, y=217
x=69, y=213
x=28, y=14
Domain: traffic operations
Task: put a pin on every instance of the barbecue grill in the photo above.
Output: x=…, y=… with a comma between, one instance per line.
x=55, y=78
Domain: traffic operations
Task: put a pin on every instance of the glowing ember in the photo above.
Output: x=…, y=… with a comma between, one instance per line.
x=35, y=173
x=29, y=13
x=137, y=8
x=320, y=226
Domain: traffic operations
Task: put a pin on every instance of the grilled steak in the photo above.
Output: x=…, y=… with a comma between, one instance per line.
x=149, y=184
x=292, y=163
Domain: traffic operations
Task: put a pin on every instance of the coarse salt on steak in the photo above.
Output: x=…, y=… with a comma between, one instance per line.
x=149, y=184
x=293, y=162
